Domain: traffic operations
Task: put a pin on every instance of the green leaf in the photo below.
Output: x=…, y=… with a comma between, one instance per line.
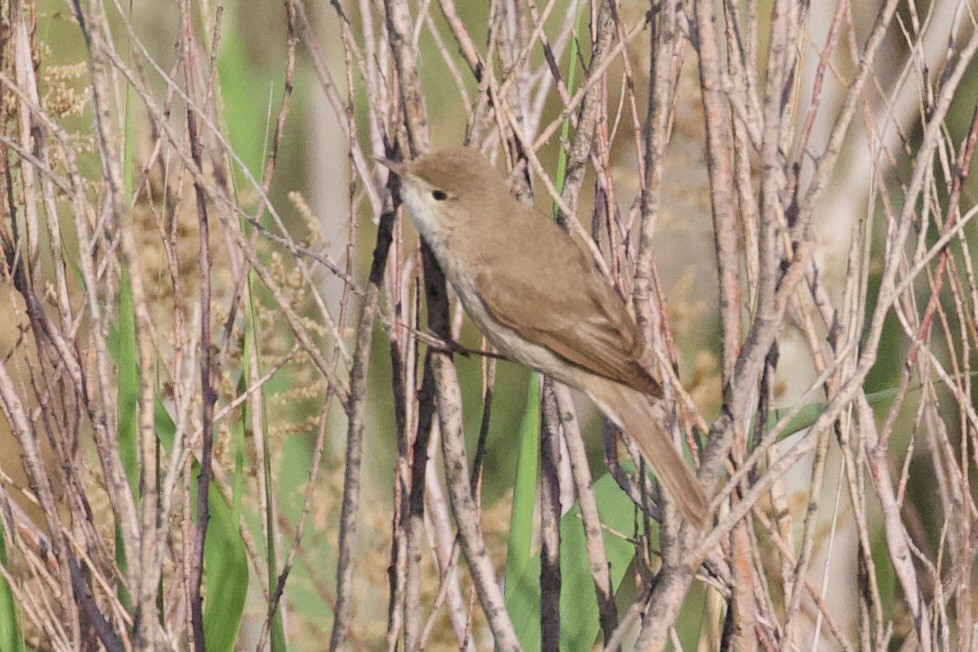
x=524, y=490
x=122, y=346
x=241, y=87
x=226, y=570
x=809, y=414
x=579, y=624
x=123, y=349
x=225, y=560
x=11, y=638
x=277, y=630
x=561, y=175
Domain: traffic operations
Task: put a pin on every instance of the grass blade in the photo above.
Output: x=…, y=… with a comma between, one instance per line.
x=579, y=623
x=225, y=558
x=524, y=494
x=11, y=637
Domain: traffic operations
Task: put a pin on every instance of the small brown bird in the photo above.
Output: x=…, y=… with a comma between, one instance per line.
x=538, y=297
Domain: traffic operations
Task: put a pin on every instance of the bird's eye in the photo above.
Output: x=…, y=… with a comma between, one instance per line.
x=439, y=195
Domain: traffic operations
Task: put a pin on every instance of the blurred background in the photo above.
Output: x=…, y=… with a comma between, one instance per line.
x=289, y=103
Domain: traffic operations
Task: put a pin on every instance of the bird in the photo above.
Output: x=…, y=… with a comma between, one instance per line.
x=538, y=296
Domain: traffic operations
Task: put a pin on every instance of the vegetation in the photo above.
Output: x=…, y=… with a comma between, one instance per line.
x=243, y=411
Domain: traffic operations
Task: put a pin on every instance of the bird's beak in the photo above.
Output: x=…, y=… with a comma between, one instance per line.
x=397, y=167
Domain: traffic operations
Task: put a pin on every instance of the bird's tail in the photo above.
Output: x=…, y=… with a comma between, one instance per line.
x=642, y=419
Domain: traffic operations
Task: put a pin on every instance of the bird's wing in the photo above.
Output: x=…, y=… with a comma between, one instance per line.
x=589, y=326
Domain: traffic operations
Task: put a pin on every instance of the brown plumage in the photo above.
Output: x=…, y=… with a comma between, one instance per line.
x=538, y=296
